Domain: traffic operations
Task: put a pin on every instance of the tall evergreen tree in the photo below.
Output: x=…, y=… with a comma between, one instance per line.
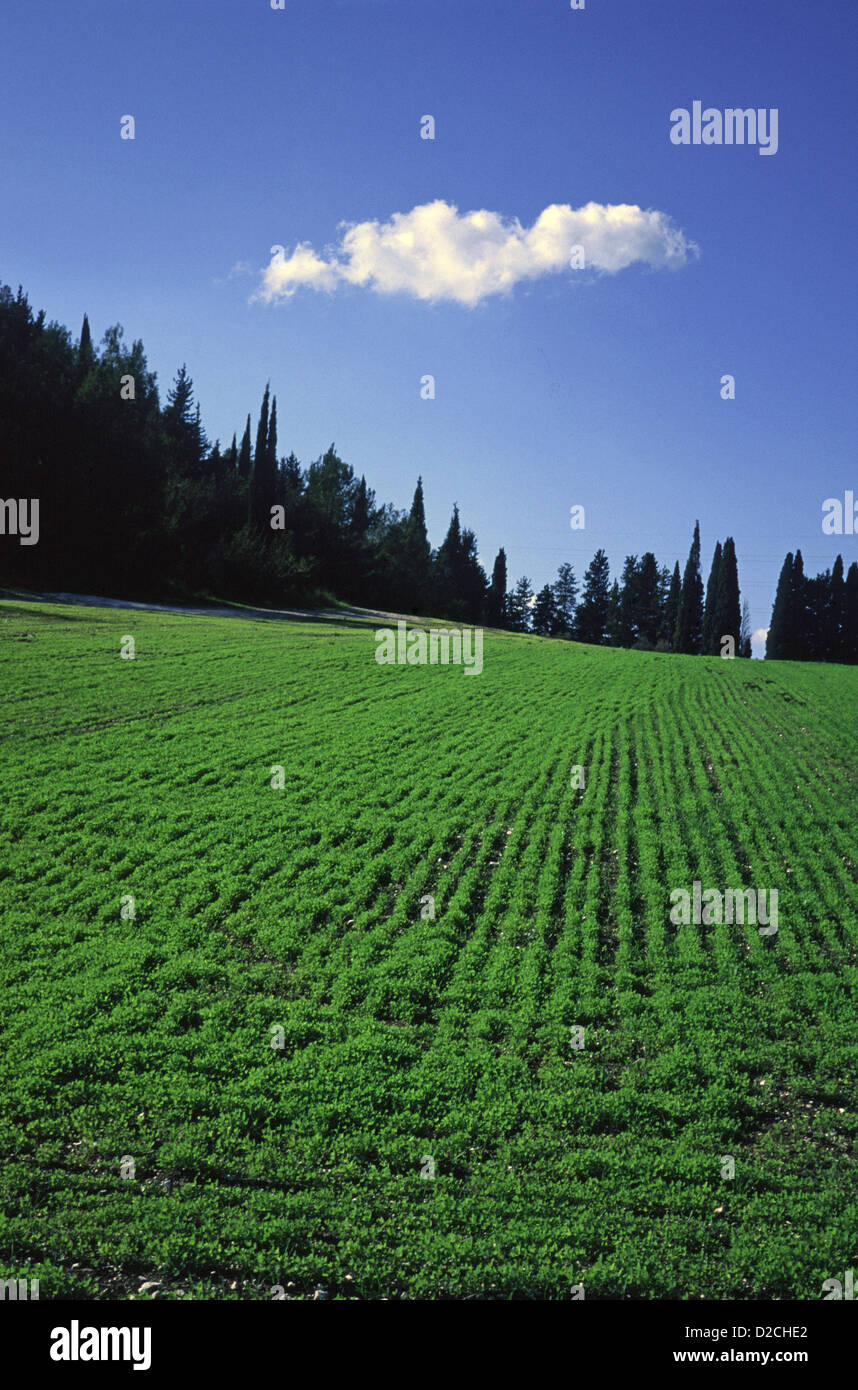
x=671, y=609
x=417, y=515
x=817, y=593
x=448, y=568
x=361, y=510
x=710, y=624
x=544, y=612
x=591, y=619
x=519, y=603
x=649, y=585
x=186, y=438
x=259, y=453
x=496, y=599
x=419, y=561
x=689, y=620
x=776, y=637
x=614, y=620
x=263, y=474
x=849, y=629
x=244, y=458
x=797, y=614
x=271, y=450
x=836, y=606
x=625, y=630
x=85, y=349
x=565, y=598
x=727, y=617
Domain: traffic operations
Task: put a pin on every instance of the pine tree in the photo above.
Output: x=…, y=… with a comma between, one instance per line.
x=232, y=455
x=689, y=620
x=519, y=605
x=710, y=624
x=183, y=427
x=544, y=613
x=625, y=631
x=591, y=618
x=565, y=597
x=647, y=613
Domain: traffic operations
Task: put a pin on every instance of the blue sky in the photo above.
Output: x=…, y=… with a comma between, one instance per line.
x=257, y=127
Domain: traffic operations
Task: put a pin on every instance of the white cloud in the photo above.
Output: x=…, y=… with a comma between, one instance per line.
x=433, y=252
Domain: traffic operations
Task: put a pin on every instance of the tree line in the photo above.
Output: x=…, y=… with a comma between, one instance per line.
x=814, y=619
x=135, y=500
x=648, y=607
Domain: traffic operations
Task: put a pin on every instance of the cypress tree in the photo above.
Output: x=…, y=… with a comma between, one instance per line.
x=271, y=452
x=689, y=619
x=728, y=617
x=496, y=599
x=776, y=639
x=797, y=643
x=244, y=452
x=671, y=608
x=261, y=488
x=85, y=350
x=417, y=515
x=834, y=634
x=710, y=625
x=418, y=556
x=262, y=432
x=849, y=629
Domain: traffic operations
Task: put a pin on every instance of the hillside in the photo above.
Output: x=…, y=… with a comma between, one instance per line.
x=432, y=908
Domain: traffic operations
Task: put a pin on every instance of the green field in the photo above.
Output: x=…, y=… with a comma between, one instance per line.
x=406, y=1037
